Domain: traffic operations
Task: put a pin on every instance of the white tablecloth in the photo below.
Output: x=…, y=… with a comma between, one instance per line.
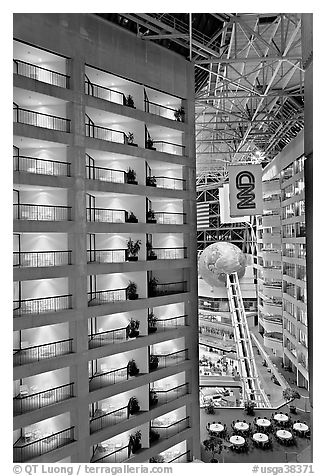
x=300, y=427
x=280, y=417
x=237, y=440
x=216, y=427
x=284, y=434
x=263, y=422
x=260, y=437
x=241, y=425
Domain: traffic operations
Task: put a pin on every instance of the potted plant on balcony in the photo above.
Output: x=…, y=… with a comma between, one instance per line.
x=133, y=248
x=150, y=216
x=131, y=176
x=131, y=218
x=135, y=441
x=132, y=329
x=133, y=406
x=152, y=319
x=130, y=139
x=130, y=101
x=153, y=362
x=131, y=291
x=291, y=396
x=213, y=445
x=157, y=459
x=152, y=287
x=153, y=398
x=179, y=114
x=132, y=368
x=151, y=181
x=150, y=253
x=249, y=407
x=153, y=436
x=150, y=144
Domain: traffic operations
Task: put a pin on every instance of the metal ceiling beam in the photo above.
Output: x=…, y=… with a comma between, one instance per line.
x=261, y=59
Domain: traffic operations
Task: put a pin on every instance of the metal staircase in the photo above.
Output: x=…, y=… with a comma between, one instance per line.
x=251, y=387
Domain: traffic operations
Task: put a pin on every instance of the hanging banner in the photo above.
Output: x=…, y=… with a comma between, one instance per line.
x=245, y=190
x=223, y=195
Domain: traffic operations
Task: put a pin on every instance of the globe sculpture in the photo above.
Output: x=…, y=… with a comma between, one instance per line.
x=220, y=259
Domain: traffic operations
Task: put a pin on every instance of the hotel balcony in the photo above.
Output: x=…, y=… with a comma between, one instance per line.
x=27, y=211
x=271, y=220
x=96, y=298
x=164, y=139
x=272, y=290
x=162, y=289
x=103, y=419
x=161, y=325
x=41, y=259
x=166, y=218
x=40, y=65
x=42, y=305
x=273, y=272
x=26, y=402
x=161, y=181
x=106, y=174
x=167, y=430
x=161, y=361
x=109, y=215
x=159, y=396
x=115, y=336
x=33, y=444
x=168, y=147
x=105, y=377
x=271, y=324
x=165, y=175
x=39, y=110
x=36, y=353
x=35, y=165
x=166, y=253
x=107, y=256
x=132, y=286
x=272, y=307
x=273, y=340
x=112, y=455
x=177, y=457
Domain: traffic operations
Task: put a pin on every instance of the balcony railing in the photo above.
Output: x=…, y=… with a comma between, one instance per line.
x=170, y=253
x=159, y=110
x=106, y=215
x=170, y=218
x=110, y=295
x=183, y=458
x=40, y=259
x=36, y=353
x=102, y=92
x=117, y=456
x=108, y=419
x=24, y=451
x=107, y=256
x=175, y=358
x=108, y=377
x=39, y=119
x=34, y=165
x=169, y=182
x=165, y=396
x=104, y=133
x=169, y=147
x=105, y=175
x=163, y=289
x=42, y=305
x=172, y=429
x=115, y=336
x=41, y=74
x=171, y=323
x=28, y=403
x=26, y=211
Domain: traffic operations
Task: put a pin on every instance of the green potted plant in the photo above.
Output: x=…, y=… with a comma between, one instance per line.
x=179, y=114
x=151, y=181
x=150, y=144
x=157, y=459
x=133, y=406
x=150, y=216
x=291, y=395
x=152, y=320
x=130, y=139
x=130, y=101
x=150, y=252
x=153, y=398
x=153, y=436
x=132, y=329
x=135, y=441
x=132, y=368
x=131, y=291
x=152, y=287
x=153, y=362
x=131, y=218
x=131, y=176
x=133, y=248
x=249, y=407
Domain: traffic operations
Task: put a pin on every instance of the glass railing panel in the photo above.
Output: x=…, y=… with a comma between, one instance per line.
x=24, y=211
x=37, y=353
x=24, y=403
x=41, y=166
x=40, y=259
x=41, y=305
x=41, y=74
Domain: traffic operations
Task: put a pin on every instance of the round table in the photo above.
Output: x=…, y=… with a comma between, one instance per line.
x=300, y=427
x=281, y=418
x=284, y=434
x=237, y=440
x=216, y=427
x=260, y=437
x=263, y=422
x=241, y=425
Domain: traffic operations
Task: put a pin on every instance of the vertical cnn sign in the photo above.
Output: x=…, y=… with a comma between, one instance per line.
x=245, y=190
